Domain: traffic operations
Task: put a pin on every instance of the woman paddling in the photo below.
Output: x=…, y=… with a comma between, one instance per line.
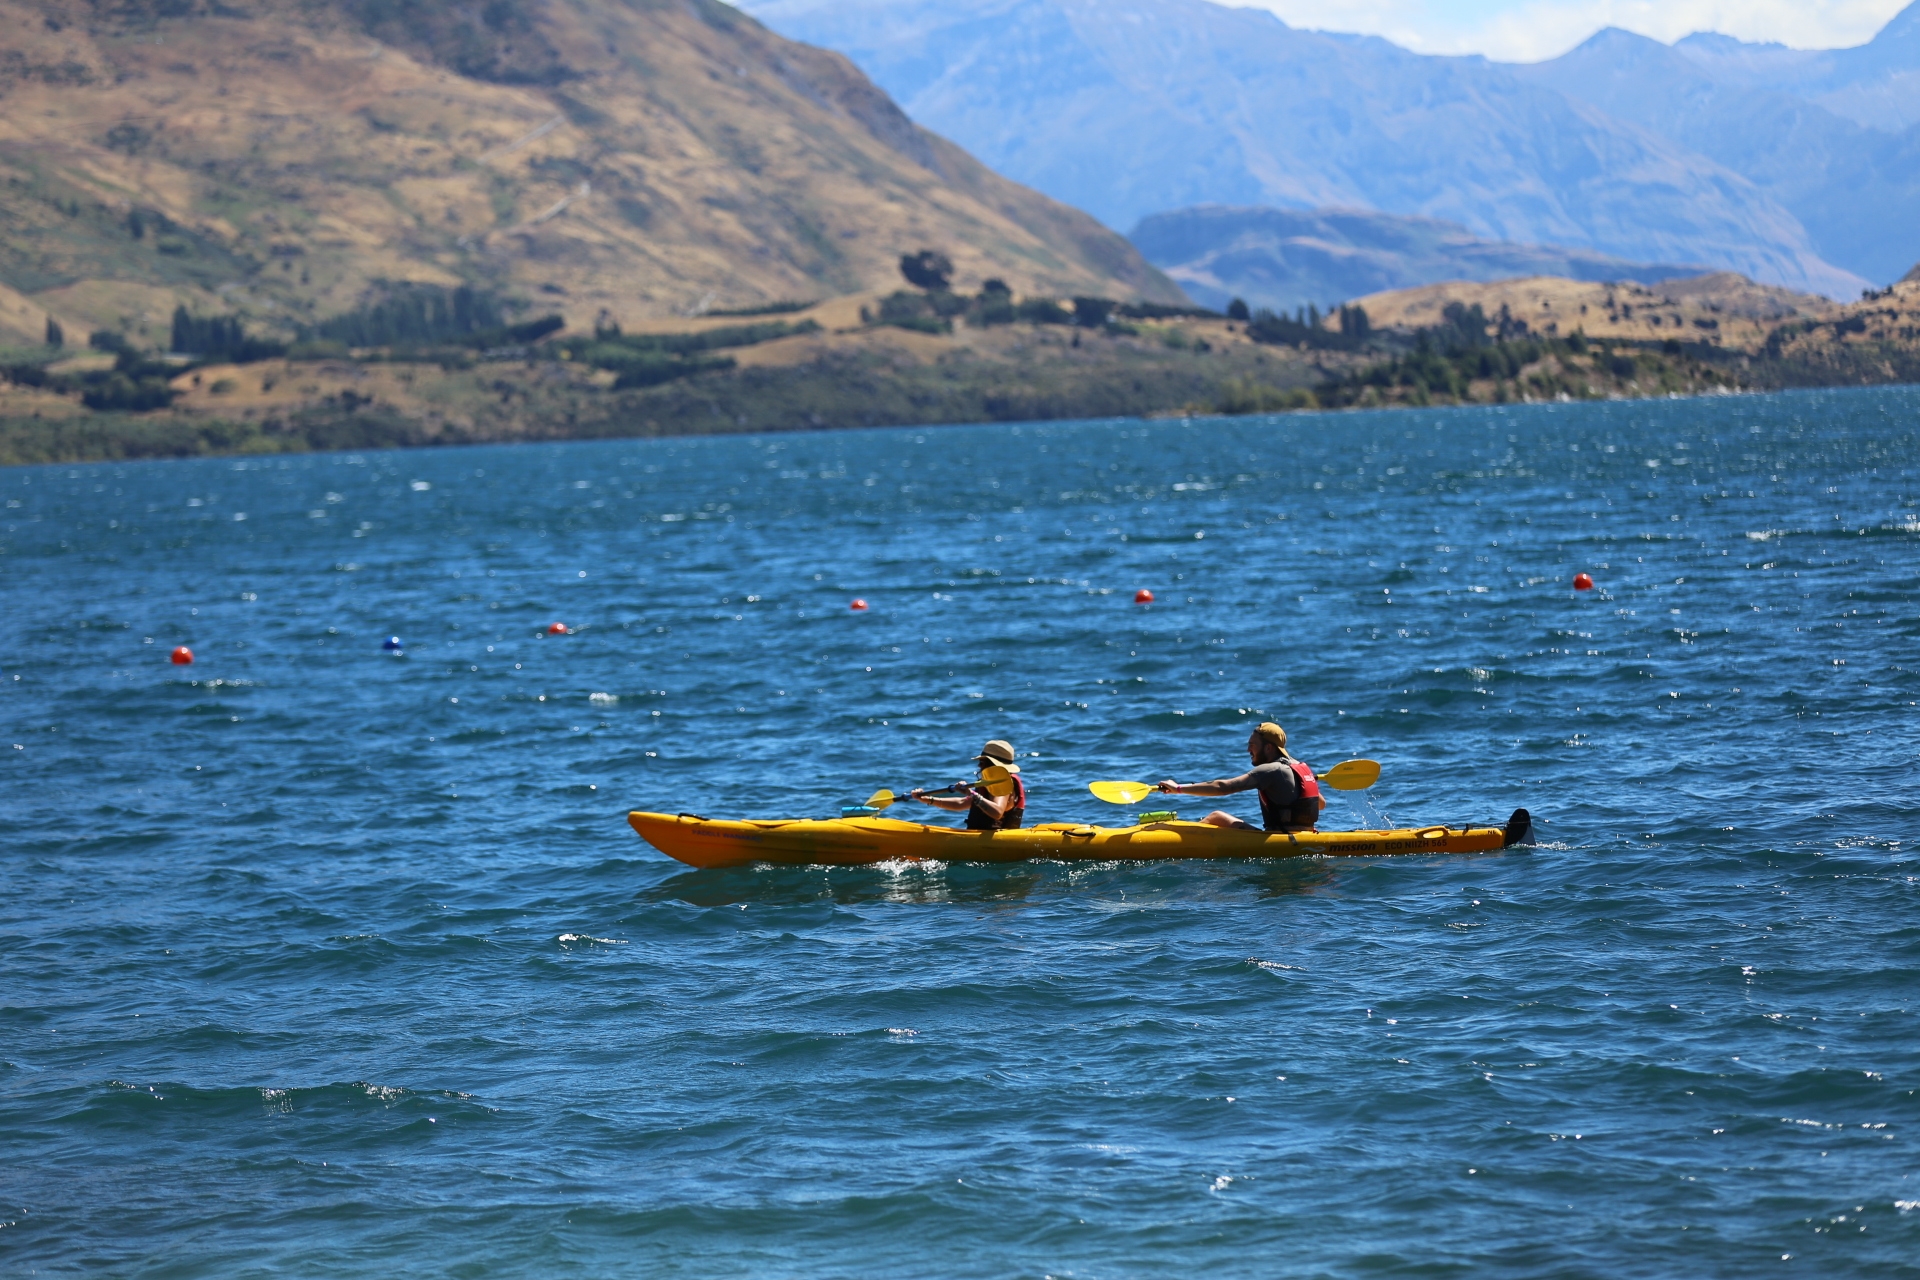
x=1289, y=794
x=985, y=811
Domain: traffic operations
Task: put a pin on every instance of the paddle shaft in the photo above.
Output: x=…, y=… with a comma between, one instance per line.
x=1348, y=775
x=995, y=781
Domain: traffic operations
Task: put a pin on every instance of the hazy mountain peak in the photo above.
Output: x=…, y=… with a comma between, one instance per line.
x=1748, y=107
x=1895, y=48
x=1179, y=103
x=1750, y=65
x=1904, y=26
x=1616, y=55
x=1287, y=258
x=1720, y=42
x=1617, y=38
x=1876, y=84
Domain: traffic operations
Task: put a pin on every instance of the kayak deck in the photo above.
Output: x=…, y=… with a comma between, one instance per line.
x=842, y=842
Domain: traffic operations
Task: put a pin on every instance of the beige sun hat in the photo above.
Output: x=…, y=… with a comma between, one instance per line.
x=1000, y=751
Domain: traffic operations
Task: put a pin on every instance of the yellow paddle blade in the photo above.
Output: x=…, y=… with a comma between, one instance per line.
x=1352, y=775
x=880, y=799
x=997, y=781
x=1120, y=792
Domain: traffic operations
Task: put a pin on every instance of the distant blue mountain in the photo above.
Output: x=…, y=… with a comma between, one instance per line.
x=1876, y=84
x=1128, y=108
x=1285, y=259
x=1855, y=188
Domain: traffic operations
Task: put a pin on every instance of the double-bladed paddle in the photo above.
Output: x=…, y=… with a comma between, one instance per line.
x=1348, y=775
x=994, y=780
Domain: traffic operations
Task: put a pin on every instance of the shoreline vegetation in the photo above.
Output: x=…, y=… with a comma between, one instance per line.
x=419, y=366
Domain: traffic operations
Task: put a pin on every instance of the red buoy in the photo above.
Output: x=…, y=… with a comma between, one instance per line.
x=1581, y=582
x=558, y=629
x=182, y=656
x=1143, y=596
x=858, y=605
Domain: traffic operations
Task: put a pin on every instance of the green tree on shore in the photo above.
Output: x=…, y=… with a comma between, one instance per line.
x=927, y=270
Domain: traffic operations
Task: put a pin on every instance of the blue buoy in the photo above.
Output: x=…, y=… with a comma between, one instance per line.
x=392, y=644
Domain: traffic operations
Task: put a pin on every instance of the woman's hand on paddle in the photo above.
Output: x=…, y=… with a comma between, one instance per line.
x=1170, y=786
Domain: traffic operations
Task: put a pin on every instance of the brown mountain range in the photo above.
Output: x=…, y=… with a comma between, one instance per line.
x=642, y=158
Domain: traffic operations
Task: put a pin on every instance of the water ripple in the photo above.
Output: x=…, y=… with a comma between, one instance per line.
x=320, y=961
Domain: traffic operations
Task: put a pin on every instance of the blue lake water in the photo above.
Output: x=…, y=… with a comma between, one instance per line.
x=318, y=961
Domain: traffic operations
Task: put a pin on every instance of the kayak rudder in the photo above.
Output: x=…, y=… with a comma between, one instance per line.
x=1519, y=829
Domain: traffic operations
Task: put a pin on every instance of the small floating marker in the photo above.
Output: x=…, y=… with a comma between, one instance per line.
x=182, y=656
x=858, y=605
x=1581, y=582
x=1143, y=596
x=558, y=629
x=392, y=644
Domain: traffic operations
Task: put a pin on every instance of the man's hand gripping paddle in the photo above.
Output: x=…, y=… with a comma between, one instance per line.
x=994, y=780
x=1348, y=775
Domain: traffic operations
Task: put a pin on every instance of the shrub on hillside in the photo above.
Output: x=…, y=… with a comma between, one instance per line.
x=220, y=339
x=1092, y=313
x=1242, y=395
x=133, y=395
x=991, y=309
x=916, y=311
x=608, y=339
x=1163, y=311
x=651, y=368
x=413, y=315
x=1043, y=311
x=650, y=359
x=1303, y=328
x=927, y=269
x=26, y=375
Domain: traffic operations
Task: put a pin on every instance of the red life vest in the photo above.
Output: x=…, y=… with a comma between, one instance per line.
x=977, y=819
x=1307, y=804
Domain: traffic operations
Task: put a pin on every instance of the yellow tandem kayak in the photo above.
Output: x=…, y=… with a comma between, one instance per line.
x=841, y=842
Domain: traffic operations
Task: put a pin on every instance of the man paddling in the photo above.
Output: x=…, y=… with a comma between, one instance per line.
x=1289, y=794
x=986, y=812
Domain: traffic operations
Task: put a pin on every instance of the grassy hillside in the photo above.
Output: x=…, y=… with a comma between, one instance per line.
x=1874, y=340
x=921, y=357
x=1545, y=338
x=1722, y=310
x=823, y=366
x=281, y=159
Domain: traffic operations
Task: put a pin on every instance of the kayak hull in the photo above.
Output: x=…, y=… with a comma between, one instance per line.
x=845, y=842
